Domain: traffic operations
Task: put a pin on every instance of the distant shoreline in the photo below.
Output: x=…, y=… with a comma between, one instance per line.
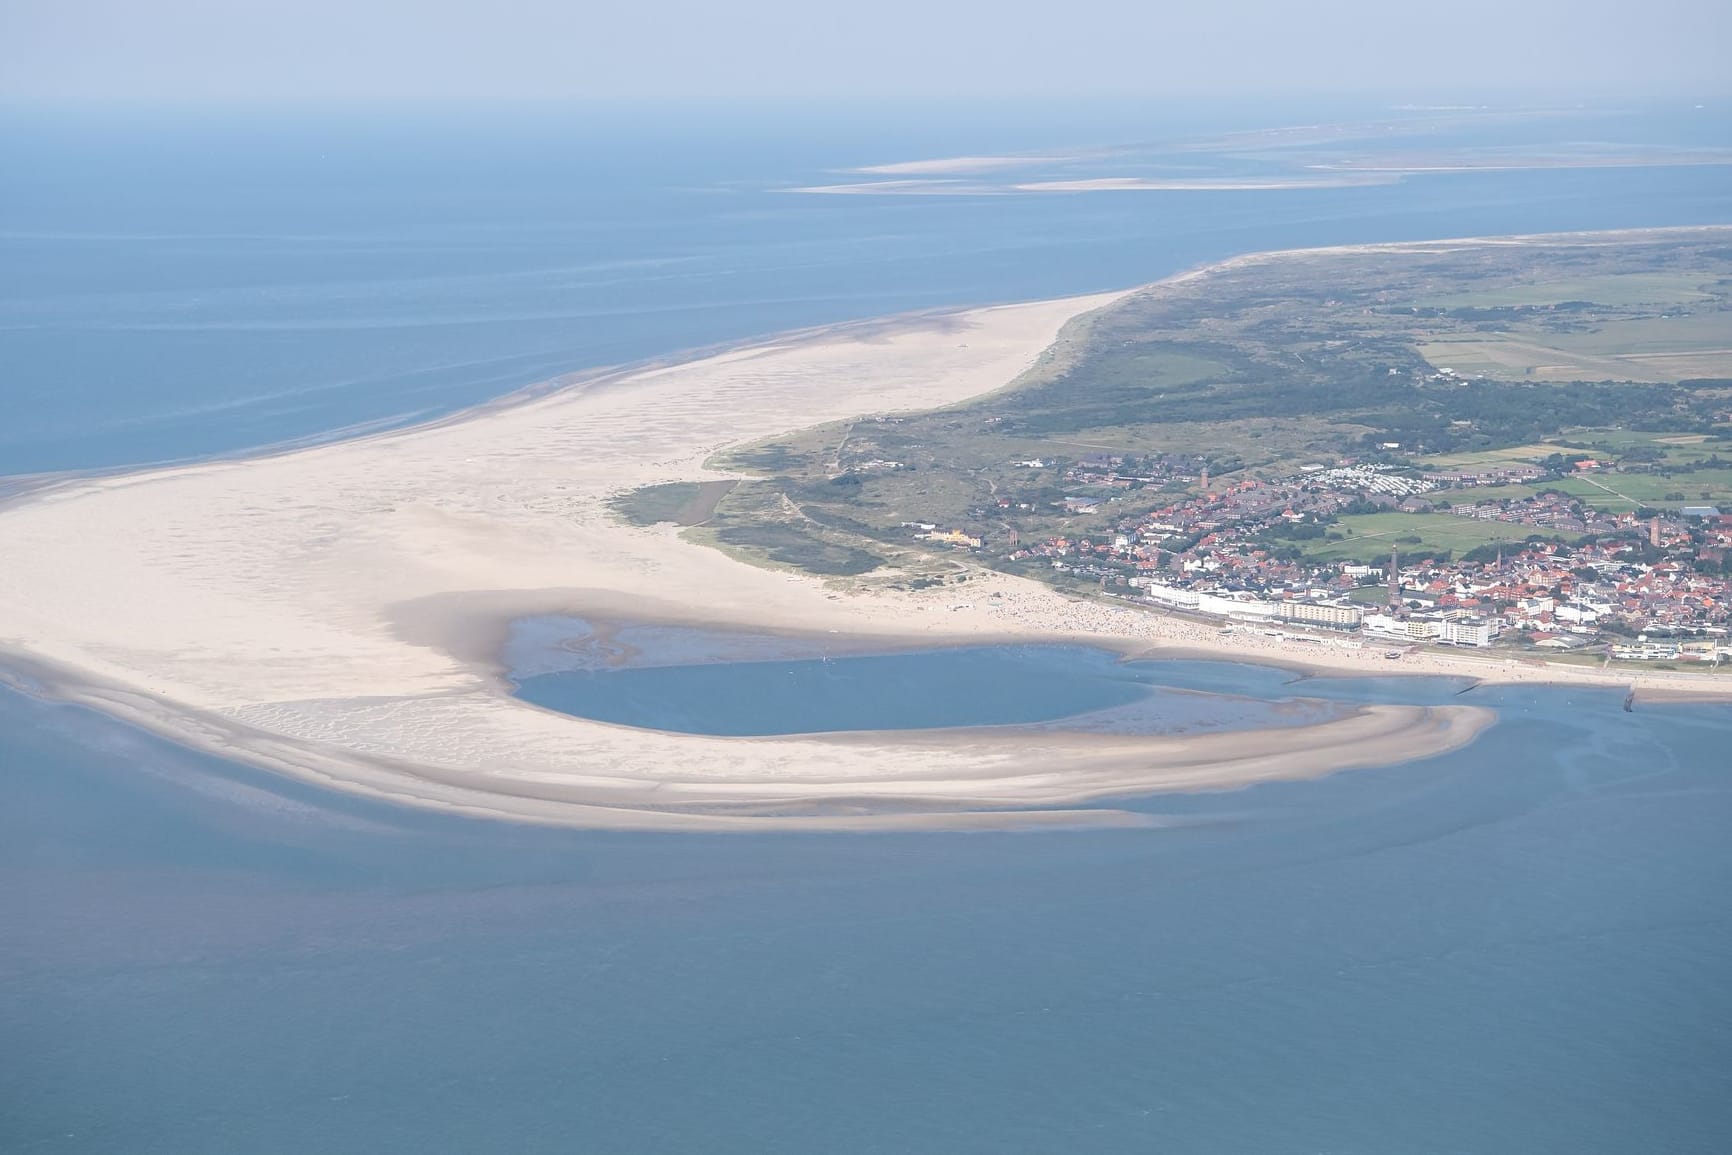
x=336, y=612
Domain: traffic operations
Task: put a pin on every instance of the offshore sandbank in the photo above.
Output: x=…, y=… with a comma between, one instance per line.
x=334, y=612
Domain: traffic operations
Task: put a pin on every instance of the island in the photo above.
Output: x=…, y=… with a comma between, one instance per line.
x=338, y=612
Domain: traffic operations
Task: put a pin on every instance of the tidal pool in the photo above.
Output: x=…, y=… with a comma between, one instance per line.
x=709, y=682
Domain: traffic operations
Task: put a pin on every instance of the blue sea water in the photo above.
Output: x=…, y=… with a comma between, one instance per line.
x=1521, y=946
x=1075, y=688
x=185, y=287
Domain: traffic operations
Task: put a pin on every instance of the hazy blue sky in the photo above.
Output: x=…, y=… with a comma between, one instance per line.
x=342, y=49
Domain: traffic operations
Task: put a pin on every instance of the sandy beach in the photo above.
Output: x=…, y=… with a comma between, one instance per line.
x=335, y=612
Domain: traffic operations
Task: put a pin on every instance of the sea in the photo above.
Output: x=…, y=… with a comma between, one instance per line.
x=1521, y=946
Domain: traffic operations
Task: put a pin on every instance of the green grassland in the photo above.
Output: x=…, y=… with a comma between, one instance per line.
x=1653, y=470
x=680, y=502
x=1675, y=447
x=1259, y=368
x=1659, y=447
x=1369, y=537
x=759, y=524
x=1619, y=492
x=1610, y=289
x=1503, y=455
x=1616, y=348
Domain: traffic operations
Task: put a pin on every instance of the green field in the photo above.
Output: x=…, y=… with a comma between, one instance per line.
x=1675, y=456
x=1616, y=289
x=1620, y=492
x=1675, y=447
x=1667, y=348
x=1369, y=536
x=1498, y=492
x=1494, y=457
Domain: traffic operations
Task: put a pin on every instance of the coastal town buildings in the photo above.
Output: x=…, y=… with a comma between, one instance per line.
x=1579, y=578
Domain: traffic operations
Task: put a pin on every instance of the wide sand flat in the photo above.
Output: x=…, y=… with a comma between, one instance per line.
x=332, y=612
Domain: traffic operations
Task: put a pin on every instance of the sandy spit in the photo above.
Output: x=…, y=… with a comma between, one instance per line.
x=334, y=612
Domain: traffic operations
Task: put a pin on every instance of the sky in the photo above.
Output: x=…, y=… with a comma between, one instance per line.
x=176, y=51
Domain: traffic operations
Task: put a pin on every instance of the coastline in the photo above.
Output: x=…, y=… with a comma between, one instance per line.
x=335, y=611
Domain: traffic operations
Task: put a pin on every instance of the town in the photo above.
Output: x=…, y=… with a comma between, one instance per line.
x=1360, y=458
x=1641, y=585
